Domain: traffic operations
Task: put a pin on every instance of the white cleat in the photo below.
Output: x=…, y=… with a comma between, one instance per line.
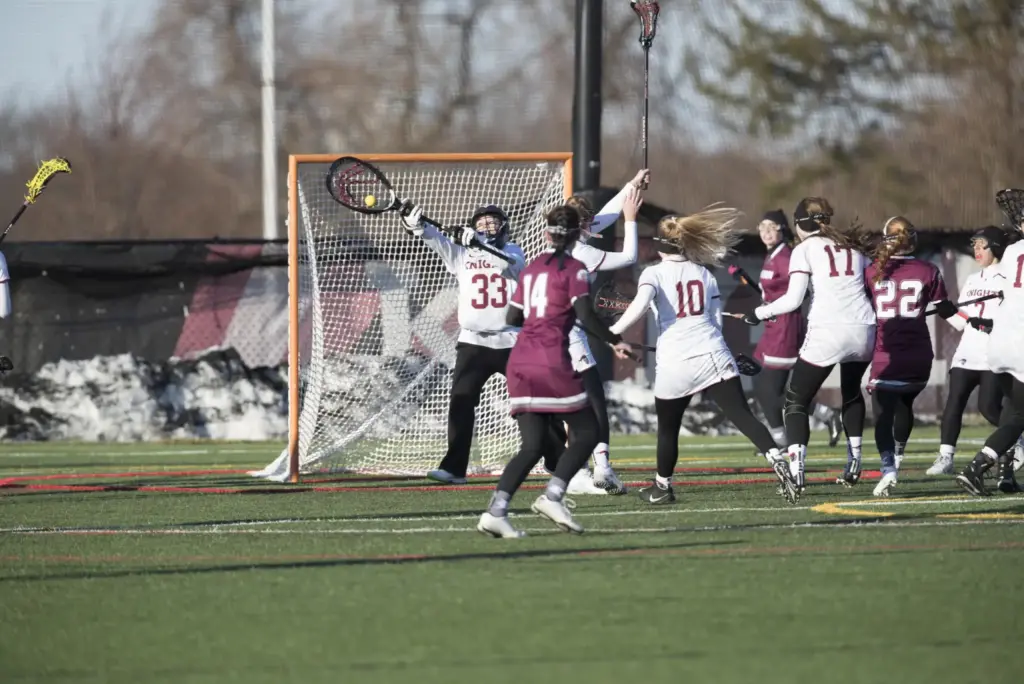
x=885, y=485
x=1018, y=455
x=556, y=512
x=498, y=527
x=943, y=466
x=583, y=483
x=445, y=477
x=606, y=479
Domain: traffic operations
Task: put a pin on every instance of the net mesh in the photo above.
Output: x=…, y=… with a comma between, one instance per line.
x=378, y=322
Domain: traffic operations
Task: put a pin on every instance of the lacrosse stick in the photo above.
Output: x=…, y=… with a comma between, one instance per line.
x=1011, y=202
x=362, y=187
x=647, y=11
x=47, y=170
x=976, y=300
x=742, y=276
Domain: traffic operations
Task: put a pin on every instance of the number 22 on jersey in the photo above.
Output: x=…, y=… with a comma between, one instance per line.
x=535, y=295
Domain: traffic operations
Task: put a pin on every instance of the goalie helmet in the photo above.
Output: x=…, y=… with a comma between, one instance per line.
x=494, y=232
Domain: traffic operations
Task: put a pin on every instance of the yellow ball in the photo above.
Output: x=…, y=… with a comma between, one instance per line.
x=369, y=200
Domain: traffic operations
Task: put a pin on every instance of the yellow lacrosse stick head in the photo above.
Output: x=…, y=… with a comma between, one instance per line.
x=47, y=170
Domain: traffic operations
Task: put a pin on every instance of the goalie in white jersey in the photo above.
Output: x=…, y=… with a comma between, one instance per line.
x=1005, y=358
x=486, y=285
x=840, y=327
x=692, y=355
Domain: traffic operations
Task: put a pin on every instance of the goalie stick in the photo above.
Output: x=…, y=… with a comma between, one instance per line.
x=362, y=187
x=44, y=174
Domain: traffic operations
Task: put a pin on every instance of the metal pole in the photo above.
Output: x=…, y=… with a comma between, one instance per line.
x=269, y=144
x=586, y=143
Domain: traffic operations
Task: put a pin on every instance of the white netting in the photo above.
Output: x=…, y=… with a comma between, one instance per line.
x=378, y=317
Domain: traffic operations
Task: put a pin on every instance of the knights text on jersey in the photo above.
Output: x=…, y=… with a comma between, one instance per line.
x=687, y=306
x=836, y=275
x=486, y=285
x=1004, y=345
x=972, y=352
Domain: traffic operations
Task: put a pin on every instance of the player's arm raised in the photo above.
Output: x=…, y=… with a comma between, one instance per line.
x=610, y=212
x=630, y=240
x=449, y=251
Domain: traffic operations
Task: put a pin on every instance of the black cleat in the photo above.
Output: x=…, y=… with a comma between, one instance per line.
x=835, y=429
x=658, y=494
x=1007, y=479
x=851, y=474
x=972, y=479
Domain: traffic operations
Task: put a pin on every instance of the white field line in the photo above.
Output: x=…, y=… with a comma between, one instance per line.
x=832, y=525
x=741, y=445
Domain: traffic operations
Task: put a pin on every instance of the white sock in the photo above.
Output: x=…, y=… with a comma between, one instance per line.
x=779, y=435
x=853, y=447
x=988, y=451
x=947, y=450
x=601, y=456
x=663, y=481
x=797, y=456
x=555, y=489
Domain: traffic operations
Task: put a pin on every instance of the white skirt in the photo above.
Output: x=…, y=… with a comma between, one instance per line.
x=675, y=378
x=838, y=344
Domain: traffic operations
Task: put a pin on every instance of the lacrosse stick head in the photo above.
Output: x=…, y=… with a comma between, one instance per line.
x=360, y=186
x=647, y=11
x=47, y=170
x=1011, y=202
x=610, y=303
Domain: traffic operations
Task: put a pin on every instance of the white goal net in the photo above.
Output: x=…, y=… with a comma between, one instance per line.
x=377, y=316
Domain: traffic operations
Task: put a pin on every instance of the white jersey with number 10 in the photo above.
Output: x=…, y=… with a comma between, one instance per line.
x=687, y=306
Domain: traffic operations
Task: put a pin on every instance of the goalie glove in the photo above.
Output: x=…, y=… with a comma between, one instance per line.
x=747, y=365
x=982, y=324
x=412, y=218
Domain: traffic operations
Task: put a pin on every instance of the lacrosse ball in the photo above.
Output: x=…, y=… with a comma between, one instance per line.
x=369, y=200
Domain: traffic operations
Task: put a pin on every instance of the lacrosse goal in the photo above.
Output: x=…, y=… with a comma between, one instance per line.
x=373, y=313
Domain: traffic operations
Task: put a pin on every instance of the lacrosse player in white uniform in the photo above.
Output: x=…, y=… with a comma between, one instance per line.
x=840, y=327
x=1005, y=357
x=486, y=284
x=627, y=203
x=692, y=355
x=969, y=366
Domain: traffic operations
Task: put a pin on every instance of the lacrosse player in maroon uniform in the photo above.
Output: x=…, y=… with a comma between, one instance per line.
x=901, y=288
x=779, y=346
x=553, y=292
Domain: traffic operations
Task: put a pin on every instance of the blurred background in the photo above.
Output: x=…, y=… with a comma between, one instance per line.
x=884, y=106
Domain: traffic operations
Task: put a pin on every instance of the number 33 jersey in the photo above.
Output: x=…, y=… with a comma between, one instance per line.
x=687, y=306
x=836, y=276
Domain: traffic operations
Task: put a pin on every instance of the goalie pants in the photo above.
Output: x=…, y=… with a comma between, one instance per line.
x=534, y=428
x=804, y=384
x=474, y=366
x=962, y=382
x=729, y=396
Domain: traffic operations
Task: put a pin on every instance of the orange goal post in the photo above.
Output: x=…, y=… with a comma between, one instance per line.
x=372, y=312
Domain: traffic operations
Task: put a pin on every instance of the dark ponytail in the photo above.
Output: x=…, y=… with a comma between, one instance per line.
x=563, y=229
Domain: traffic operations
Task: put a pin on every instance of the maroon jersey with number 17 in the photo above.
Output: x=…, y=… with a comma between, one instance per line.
x=540, y=374
x=903, y=347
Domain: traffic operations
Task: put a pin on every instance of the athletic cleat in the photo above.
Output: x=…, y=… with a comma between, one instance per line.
x=445, y=477
x=606, y=479
x=886, y=484
x=658, y=494
x=498, y=527
x=556, y=512
x=786, y=488
x=1007, y=480
x=851, y=473
x=835, y=429
x=583, y=483
x=943, y=466
x=972, y=480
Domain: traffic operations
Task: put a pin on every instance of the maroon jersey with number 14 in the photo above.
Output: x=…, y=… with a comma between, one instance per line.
x=779, y=345
x=539, y=373
x=903, y=354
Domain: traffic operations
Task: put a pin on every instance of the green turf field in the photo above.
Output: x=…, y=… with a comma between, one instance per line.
x=188, y=571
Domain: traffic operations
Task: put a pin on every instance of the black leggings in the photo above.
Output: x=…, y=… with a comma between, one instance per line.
x=595, y=392
x=770, y=390
x=729, y=397
x=894, y=418
x=534, y=429
x=961, y=383
x=1011, y=420
x=805, y=382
